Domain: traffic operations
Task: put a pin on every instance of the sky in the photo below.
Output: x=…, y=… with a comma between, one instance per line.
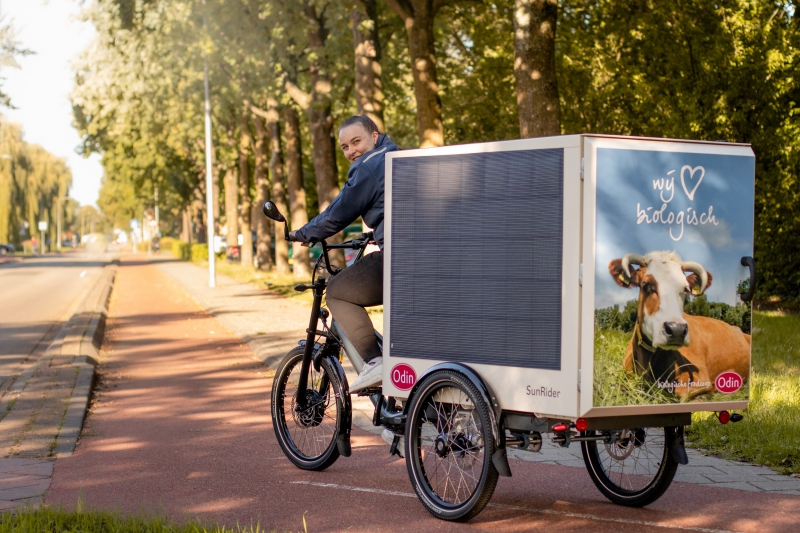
x=40, y=89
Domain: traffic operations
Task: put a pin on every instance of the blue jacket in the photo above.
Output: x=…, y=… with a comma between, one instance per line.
x=361, y=196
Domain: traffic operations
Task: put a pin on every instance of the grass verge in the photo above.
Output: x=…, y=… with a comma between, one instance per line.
x=29, y=520
x=770, y=432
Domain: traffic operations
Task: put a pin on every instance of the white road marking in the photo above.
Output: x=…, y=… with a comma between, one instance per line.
x=526, y=509
x=83, y=273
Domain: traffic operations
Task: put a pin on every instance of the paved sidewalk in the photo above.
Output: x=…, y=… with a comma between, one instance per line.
x=43, y=394
x=272, y=325
x=23, y=481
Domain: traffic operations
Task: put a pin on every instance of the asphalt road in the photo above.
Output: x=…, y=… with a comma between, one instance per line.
x=36, y=298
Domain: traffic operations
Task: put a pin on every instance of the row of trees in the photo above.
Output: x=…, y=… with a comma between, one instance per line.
x=31, y=182
x=285, y=72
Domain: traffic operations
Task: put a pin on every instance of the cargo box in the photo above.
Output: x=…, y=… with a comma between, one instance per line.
x=579, y=275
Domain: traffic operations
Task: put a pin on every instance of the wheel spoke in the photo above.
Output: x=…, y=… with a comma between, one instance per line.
x=311, y=430
x=630, y=464
x=452, y=473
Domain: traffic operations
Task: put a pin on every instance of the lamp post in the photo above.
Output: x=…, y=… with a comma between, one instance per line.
x=212, y=275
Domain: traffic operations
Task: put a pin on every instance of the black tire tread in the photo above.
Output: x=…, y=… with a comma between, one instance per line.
x=647, y=495
x=331, y=454
x=491, y=475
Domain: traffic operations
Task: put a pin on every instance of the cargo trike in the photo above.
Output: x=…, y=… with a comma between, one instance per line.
x=591, y=290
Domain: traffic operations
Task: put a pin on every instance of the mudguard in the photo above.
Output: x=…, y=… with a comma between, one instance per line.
x=499, y=458
x=341, y=392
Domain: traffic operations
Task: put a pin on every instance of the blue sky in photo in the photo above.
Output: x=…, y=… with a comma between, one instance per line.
x=722, y=184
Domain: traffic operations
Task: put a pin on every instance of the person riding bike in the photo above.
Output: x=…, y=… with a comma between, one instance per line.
x=360, y=285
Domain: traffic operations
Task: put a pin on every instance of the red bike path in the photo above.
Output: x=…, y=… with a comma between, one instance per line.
x=181, y=427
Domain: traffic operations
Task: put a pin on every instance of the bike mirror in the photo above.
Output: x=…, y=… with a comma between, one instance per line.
x=270, y=211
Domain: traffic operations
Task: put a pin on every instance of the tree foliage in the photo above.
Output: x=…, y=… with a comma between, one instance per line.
x=31, y=182
x=697, y=70
x=687, y=69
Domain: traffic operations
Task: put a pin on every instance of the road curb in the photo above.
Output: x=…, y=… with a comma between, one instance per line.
x=81, y=342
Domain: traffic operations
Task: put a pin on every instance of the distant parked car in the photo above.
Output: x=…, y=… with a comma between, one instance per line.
x=6, y=249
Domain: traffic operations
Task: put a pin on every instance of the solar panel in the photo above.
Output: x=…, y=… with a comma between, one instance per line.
x=476, y=258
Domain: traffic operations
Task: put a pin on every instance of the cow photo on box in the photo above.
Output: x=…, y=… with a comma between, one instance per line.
x=674, y=350
x=670, y=325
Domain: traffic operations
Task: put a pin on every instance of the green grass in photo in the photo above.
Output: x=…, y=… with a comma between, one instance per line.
x=614, y=386
x=770, y=431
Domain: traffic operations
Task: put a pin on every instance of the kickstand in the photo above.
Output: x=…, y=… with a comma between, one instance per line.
x=393, y=449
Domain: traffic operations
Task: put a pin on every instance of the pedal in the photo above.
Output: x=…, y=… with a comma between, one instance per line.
x=393, y=448
x=376, y=415
x=369, y=391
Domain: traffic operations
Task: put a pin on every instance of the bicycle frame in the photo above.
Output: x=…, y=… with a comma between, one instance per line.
x=318, y=285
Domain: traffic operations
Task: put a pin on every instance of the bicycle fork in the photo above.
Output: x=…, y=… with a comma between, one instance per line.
x=313, y=354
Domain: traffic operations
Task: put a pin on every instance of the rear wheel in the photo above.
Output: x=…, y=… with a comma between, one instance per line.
x=449, y=445
x=635, y=469
x=307, y=436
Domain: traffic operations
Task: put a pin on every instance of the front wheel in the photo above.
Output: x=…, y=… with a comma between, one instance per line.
x=636, y=468
x=307, y=436
x=449, y=445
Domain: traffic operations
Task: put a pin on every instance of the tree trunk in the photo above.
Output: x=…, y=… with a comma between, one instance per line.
x=535, y=67
x=215, y=193
x=369, y=89
x=198, y=211
x=297, y=194
x=418, y=16
x=264, y=225
x=278, y=188
x=231, y=182
x=186, y=224
x=317, y=105
x=245, y=140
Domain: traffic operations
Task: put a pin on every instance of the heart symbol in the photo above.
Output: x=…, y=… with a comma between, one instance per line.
x=691, y=177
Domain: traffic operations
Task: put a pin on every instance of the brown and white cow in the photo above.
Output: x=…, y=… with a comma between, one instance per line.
x=683, y=352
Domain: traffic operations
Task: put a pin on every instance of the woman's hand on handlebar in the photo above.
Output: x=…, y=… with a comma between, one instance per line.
x=293, y=238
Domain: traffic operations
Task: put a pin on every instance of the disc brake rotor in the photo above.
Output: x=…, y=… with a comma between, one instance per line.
x=313, y=414
x=623, y=447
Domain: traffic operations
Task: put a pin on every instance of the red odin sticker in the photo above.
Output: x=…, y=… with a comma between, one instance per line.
x=728, y=382
x=403, y=376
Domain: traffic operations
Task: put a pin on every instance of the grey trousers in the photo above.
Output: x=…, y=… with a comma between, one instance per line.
x=349, y=292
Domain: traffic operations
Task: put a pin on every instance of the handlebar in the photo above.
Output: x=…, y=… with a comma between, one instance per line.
x=355, y=244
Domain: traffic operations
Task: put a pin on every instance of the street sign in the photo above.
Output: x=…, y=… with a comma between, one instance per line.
x=134, y=223
x=42, y=225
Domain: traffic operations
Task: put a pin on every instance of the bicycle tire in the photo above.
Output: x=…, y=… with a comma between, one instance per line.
x=299, y=435
x=651, y=468
x=464, y=436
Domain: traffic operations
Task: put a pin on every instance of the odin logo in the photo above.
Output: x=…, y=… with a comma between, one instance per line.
x=728, y=382
x=403, y=376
